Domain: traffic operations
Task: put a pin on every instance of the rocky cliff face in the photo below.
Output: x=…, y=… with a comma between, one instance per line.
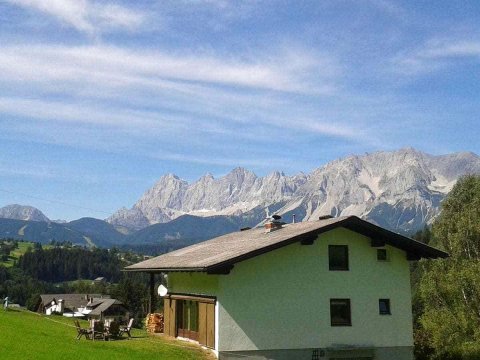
x=400, y=190
x=20, y=212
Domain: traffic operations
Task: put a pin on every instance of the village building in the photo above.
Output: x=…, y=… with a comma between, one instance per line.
x=336, y=288
x=91, y=306
x=106, y=309
x=69, y=304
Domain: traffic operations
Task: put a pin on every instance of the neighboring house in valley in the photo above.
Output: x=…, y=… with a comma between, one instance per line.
x=106, y=309
x=65, y=304
x=336, y=288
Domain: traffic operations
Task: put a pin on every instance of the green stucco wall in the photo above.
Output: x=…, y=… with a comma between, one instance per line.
x=281, y=300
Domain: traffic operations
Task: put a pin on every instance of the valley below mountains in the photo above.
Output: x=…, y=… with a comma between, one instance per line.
x=399, y=190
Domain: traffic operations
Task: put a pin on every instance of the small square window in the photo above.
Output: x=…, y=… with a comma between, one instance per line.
x=384, y=306
x=340, y=314
x=338, y=257
x=382, y=255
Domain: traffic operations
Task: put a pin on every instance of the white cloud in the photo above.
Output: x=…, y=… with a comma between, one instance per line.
x=436, y=54
x=154, y=94
x=85, y=15
x=28, y=170
x=450, y=49
x=115, y=66
x=67, y=112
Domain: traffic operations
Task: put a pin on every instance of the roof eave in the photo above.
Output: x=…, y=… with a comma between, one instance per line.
x=407, y=244
x=158, y=270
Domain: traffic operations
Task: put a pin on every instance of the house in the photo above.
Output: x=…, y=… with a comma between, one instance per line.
x=102, y=308
x=336, y=288
x=66, y=304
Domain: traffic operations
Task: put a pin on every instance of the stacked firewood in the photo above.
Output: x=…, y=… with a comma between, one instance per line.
x=154, y=323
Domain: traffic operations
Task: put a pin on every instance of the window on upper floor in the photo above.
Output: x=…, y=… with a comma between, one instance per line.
x=338, y=257
x=340, y=314
x=382, y=255
x=384, y=307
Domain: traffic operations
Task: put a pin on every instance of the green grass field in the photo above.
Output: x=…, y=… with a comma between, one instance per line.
x=15, y=254
x=24, y=335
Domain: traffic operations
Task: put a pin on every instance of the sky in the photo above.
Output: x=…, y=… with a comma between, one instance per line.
x=98, y=99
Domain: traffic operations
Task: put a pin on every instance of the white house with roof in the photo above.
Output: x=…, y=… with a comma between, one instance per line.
x=337, y=288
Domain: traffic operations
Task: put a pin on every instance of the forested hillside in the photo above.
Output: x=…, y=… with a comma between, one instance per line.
x=66, y=264
x=447, y=291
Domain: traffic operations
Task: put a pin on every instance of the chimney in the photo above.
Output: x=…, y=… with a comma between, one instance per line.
x=274, y=223
x=60, y=306
x=325, y=217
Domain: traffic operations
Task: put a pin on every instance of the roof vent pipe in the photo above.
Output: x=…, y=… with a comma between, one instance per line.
x=293, y=218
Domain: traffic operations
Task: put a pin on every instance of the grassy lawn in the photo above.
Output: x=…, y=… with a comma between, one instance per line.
x=25, y=335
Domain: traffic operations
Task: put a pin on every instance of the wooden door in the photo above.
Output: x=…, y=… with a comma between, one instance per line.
x=173, y=318
x=166, y=316
x=206, y=324
x=169, y=318
x=202, y=321
x=210, y=325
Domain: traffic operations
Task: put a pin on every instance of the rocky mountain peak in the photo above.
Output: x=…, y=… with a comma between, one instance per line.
x=22, y=212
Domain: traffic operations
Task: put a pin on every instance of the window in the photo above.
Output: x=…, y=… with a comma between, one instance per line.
x=338, y=257
x=384, y=306
x=382, y=254
x=340, y=312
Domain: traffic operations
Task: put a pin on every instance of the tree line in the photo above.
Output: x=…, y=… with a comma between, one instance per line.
x=61, y=264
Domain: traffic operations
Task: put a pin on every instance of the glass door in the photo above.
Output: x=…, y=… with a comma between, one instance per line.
x=187, y=319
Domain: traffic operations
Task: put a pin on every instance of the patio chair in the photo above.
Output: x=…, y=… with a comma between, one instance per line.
x=126, y=329
x=80, y=331
x=98, y=330
x=113, y=330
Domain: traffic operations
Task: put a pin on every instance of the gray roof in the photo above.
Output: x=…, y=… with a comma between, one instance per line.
x=103, y=306
x=219, y=254
x=69, y=300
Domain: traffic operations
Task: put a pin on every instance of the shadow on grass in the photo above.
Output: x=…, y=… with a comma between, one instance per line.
x=119, y=338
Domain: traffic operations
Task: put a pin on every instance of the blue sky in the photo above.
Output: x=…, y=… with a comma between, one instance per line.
x=98, y=99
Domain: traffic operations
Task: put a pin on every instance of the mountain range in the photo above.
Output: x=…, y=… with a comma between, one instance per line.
x=400, y=190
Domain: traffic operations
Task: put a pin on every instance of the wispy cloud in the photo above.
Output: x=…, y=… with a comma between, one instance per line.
x=86, y=16
x=26, y=170
x=436, y=54
x=122, y=67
